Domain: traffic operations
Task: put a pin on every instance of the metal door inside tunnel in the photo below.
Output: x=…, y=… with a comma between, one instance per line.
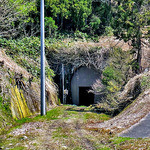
x=85, y=98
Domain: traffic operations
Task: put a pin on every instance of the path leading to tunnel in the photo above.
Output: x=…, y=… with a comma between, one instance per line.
x=139, y=130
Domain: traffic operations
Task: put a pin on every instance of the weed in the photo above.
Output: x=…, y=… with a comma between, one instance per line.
x=145, y=82
x=18, y=148
x=23, y=120
x=118, y=140
x=60, y=133
x=95, y=116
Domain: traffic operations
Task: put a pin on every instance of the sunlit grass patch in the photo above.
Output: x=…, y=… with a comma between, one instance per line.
x=95, y=116
x=72, y=112
x=104, y=148
x=53, y=114
x=83, y=106
x=118, y=140
x=23, y=120
x=18, y=148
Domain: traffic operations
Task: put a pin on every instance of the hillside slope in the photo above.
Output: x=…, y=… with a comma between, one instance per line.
x=20, y=91
x=137, y=110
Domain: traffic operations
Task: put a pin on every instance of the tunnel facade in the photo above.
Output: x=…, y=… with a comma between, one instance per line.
x=81, y=83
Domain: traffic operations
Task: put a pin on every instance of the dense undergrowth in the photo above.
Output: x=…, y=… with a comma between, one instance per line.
x=5, y=114
x=26, y=53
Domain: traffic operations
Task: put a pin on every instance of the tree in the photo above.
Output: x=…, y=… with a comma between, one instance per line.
x=50, y=25
x=80, y=11
x=15, y=14
x=59, y=9
x=94, y=24
x=128, y=21
x=102, y=9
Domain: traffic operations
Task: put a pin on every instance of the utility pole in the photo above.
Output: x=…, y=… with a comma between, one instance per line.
x=63, y=83
x=43, y=105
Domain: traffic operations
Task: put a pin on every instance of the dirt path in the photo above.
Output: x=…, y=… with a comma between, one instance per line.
x=65, y=128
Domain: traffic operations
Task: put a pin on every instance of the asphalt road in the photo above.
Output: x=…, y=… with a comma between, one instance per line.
x=140, y=130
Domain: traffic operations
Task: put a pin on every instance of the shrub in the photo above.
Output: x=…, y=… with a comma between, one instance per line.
x=50, y=26
x=108, y=31
x=94, y=24
x=114, y=76
x=79, y=34
x=145, y=82
x=26, y=52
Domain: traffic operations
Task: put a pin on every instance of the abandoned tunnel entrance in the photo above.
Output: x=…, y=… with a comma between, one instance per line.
x=81, y=82
x=85, y=98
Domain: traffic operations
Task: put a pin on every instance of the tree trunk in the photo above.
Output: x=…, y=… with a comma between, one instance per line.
x=62, y=21
x=139, y=53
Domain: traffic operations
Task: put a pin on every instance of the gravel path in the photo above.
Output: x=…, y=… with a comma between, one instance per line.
x=139, y=130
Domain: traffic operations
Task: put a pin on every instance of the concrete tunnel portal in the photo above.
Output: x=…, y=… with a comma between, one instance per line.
x=81, y=83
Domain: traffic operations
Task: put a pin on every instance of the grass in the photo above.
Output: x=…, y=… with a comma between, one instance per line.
x=118, y=140
x=61, y=132
x=65, y=127
x=50, y=115
x=18, y=148
x=95, y=116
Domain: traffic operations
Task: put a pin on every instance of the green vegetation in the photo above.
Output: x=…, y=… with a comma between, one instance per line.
x=75, y=20
x=116, y=74
x=4, y=106
x=118, y=140
x=28, y=46
x=126, y=19
x=5, y=114
x=94, y=116
x=130, y=17
x=18, y=148
x=145, y=82
x=26, y=52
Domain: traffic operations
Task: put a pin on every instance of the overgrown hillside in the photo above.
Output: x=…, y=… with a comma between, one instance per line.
x=20, y=87
x=135, y=99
